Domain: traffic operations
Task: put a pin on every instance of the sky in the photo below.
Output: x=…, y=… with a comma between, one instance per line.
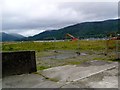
x=30, y=17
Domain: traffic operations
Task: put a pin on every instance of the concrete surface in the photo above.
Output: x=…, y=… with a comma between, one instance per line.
x=105, y=79
x=0, y=84
x=63, y=55
x=70, y=73
x=28, y=81
x=104, y=75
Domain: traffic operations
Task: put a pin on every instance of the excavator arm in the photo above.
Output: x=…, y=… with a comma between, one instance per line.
x=71, y=36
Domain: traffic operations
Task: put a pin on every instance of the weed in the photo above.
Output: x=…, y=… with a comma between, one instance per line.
x=42, y=67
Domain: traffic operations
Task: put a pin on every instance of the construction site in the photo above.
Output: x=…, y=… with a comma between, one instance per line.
x=60, y=44
x=93, y=67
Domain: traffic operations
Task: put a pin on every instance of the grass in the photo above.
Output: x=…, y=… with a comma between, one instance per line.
x=42, y=67
x=93, y=48
x=44, y=46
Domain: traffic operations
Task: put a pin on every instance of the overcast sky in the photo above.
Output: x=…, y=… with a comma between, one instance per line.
x=30, y=17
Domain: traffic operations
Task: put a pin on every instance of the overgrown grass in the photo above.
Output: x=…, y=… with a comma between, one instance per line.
x=67, y=45
x=94, y=48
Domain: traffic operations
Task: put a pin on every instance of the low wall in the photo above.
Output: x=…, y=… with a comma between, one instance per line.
x=14, y=63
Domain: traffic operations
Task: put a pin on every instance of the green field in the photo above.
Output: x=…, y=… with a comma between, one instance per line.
x=43, y=46
x=95, y=50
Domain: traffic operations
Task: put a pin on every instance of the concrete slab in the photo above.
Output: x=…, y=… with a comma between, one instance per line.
x=21, y=81
x=105, y=79
x=70, y=73
x=29, y=81
x=103, y=75
x=70, y=86
x=48, y=84
x=62, y=55
x=0, y=84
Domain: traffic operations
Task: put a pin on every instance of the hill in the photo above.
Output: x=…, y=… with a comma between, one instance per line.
x=10, y=37
x=97, y=29
x=17, y=35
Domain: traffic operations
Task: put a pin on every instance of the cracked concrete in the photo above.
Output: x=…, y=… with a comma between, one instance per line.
x=104, y=75
x=72, y=72
x=105, y=79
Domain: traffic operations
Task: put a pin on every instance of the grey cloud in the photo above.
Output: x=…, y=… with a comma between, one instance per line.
x=102, y=10
x=66, y=13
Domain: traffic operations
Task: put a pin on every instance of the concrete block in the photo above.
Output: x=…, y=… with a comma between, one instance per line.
x=20, y=62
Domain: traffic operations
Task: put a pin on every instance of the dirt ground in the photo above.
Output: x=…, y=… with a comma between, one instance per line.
x=54, y=58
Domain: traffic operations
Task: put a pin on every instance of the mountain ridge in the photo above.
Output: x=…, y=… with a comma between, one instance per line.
x=10, y=37
x=96, y=29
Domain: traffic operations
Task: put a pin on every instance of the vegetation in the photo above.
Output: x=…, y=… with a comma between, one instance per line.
x=95, y=50
x=42, y=67
x=10, y=37
x=82, y=30
x=66, y=45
